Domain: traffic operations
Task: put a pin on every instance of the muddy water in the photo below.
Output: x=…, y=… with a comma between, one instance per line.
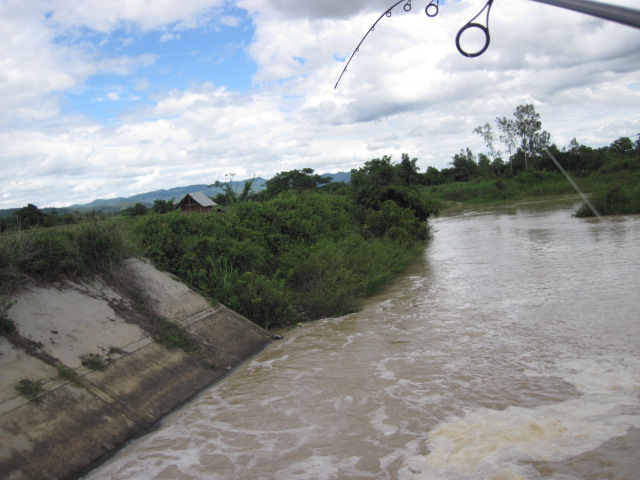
x=510, y=351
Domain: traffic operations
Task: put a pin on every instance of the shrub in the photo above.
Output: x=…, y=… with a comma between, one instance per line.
x=29, y=388
x=613, y=200
x=93, y=361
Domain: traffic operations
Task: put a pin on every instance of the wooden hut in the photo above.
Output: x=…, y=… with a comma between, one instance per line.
x=196, y=203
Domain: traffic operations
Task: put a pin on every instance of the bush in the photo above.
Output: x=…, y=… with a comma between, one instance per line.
x=93, y=361
x=613, y=200
x=29, y=388
x=296, y=256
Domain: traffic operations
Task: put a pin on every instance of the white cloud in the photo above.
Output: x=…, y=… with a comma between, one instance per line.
x=407, y=90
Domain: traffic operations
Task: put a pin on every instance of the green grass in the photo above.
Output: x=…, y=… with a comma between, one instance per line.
x=48, y=254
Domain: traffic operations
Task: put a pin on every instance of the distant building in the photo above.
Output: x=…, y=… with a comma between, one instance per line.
x=196, y=203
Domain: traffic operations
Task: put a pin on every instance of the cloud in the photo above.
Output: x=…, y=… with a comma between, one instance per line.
x=407, y=90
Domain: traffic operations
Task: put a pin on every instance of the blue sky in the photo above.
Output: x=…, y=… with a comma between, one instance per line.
x=106, y=99
x=178, y=59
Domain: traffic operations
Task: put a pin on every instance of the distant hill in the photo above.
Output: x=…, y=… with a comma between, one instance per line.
x=120, y=203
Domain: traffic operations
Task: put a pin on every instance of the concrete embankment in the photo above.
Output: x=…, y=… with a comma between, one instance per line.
x=77, y=420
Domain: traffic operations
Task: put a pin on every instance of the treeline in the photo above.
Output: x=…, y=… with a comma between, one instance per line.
x=301, y=249
x=520, y=162
x=33, y=217
x=526, y=148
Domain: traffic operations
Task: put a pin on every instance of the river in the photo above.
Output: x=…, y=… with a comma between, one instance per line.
x=511, y=350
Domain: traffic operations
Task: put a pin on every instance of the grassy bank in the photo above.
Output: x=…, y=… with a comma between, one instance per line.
x=291, y=253
x=613, y=189
x=48, y=254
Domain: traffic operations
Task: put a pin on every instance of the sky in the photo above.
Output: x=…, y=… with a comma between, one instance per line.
x=104, y=99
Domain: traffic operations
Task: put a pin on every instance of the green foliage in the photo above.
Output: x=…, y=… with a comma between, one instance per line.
x=302, y=254
x=163, y=206
x=380, y=180
x=137, y=210
x=29, y=388
x=613, y=200
x=32, y=217
x=296, y=180
x=622, y=146
x=94, y=361
x=393, y=218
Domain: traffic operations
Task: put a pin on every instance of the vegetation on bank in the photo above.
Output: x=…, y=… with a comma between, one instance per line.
x=301, y=249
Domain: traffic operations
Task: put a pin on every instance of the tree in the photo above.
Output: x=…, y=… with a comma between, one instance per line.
x=486, y=132
x=484, y=166
x=408, y=170
x=163, y=206
x=229, y=194
x=464, y=166
x=298, y=180
x=29, y=216
x=529, y=126
x=138, y=210
x=508, y=136
x=623, y=145
x=380, y=180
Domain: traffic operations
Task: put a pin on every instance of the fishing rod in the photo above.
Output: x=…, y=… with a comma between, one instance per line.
x=614, y=13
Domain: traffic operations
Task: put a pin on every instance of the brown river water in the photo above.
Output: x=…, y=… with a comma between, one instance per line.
x=510, y=350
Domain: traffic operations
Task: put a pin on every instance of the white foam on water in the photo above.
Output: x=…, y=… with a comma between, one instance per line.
x=499, y=444
x=321, y=467
x=268, y=364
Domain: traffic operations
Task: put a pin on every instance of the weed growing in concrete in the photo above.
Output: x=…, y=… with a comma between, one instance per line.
x=29, y=388
x=116, y=351
x=69, y=374
x=94, y=361
x=172, y=335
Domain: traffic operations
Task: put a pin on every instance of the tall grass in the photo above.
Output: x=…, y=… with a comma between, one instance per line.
x=47, y=254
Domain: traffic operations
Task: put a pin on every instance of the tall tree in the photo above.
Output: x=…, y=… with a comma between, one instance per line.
x=486, y=132
x=508, y=136
x=529, y=127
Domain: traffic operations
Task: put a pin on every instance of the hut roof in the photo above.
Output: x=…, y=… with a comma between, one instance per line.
x=200, y=198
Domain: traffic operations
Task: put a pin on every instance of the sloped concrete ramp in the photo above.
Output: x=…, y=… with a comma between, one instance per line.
x=74, y=424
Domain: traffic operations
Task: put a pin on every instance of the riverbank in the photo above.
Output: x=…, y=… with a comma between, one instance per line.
x=78, y=411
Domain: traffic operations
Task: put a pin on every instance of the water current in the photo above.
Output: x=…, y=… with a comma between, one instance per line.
x=511, y=350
